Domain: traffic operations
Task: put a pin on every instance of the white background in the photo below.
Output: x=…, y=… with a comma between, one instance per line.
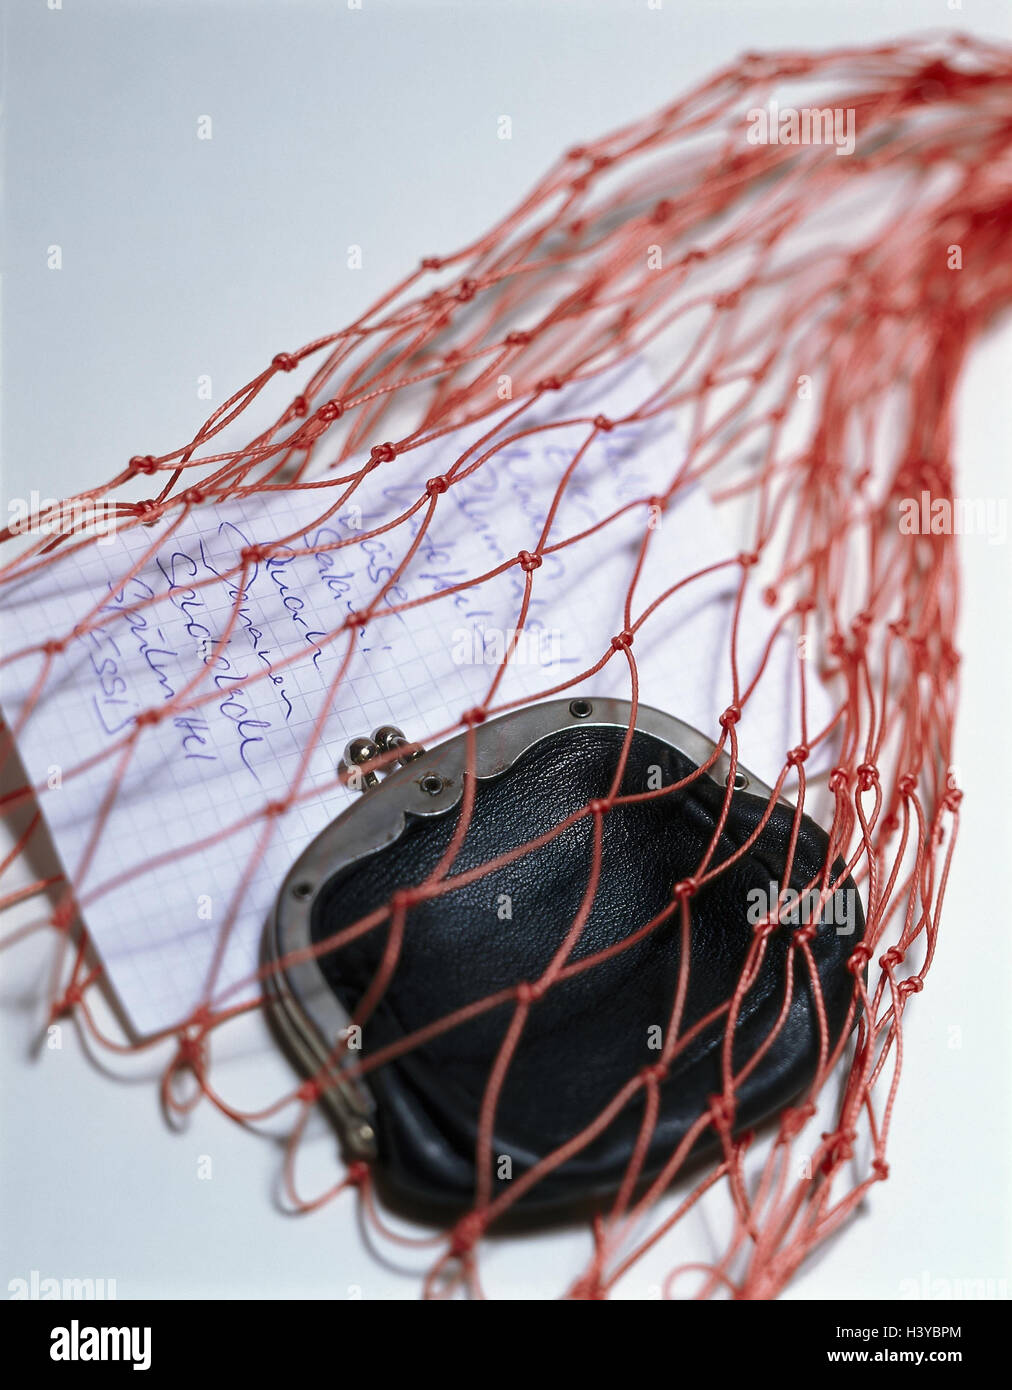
x=184, y=257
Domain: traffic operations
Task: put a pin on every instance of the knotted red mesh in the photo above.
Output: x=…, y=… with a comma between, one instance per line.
x=811, y=308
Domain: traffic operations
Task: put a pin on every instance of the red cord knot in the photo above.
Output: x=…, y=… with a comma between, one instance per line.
x=839, y=780
x=684, y=888
x=356, y=619
x=529, y=562
x=577, y=153
x=722, y=1109
x=253, y=555
x=794, y=1119
x=549, y=383
x=190, y=1052
x=798, y=755
x=805, y=605
x=662, y=210
x=656, y=1072
x=867, y=776
x=193, y=497
x=329, y=411
x=748, y=558
x=383, y=453
x=622, y=642
x=64, y=916
x=432, y=263
x=467, y=1233
x=300, y=406
x=518, y=337
x=730, y=300
x=919, y=652
x=474, y=716
x=952, y=799
x=284, y=362
x=53, y=647
x=890, y=825
x=405, y=899
x=913, y=985
x=881, y=1169
x=840, y=1149
x=770, y=596
x=143, y=463
x=435, y=487
x=602, y=422
x=528, y=992
x=599, y=806
x=148, y=718
x=694, y=255
x=899, y=627
x=907, y=785
x=358, y=1173
x=656, y=502
x=200, y=1020
x=857, y=961
x=730, y=716
x=893, y=957
x=466, y=290
x=935, y=81
x=309, y=1092
x=67, y=1003
x=149, y=510
x=275, y=808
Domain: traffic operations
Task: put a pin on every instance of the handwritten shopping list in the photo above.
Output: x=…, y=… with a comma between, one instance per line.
x=171, y=867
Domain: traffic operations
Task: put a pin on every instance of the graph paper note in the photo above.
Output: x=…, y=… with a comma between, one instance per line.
x=163, y=876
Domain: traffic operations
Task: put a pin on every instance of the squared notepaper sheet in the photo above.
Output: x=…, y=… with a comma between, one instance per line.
x=192, y=777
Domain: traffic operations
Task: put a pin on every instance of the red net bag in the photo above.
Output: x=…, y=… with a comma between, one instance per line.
x=803, y=248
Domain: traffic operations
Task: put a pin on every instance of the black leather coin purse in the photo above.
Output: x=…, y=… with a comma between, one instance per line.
x=416, y=1116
